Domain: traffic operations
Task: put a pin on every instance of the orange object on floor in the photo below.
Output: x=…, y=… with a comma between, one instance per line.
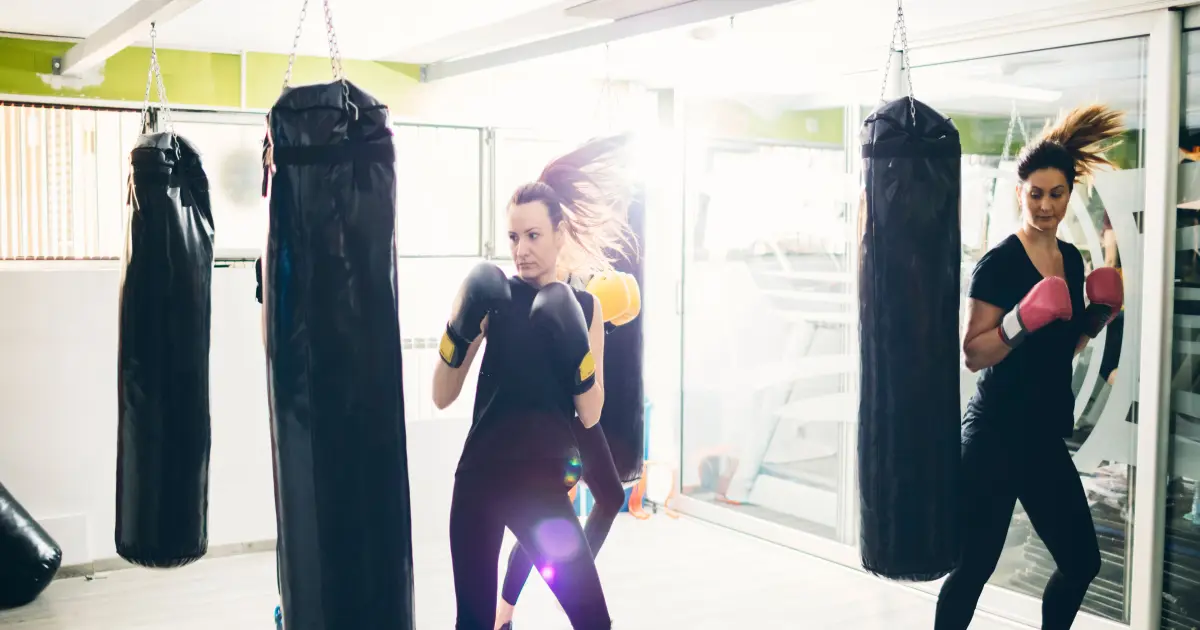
x=637, y=496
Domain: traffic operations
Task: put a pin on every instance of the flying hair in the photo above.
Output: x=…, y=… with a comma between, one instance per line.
x=1076, y=144
x=588, y=192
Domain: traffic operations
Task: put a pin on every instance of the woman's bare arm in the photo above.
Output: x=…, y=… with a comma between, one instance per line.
x=982, y=345
x=448, y=381
x=589, y=404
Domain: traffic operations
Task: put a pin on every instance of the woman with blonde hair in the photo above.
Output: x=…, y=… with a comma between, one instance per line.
x=542, y=373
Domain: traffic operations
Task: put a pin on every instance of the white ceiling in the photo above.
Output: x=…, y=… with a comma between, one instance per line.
x=386, y=29
x=785, y=56
x=366, y=29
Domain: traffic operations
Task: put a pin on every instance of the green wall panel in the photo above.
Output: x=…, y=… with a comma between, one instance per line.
x=733, y=120
x=193, y=78
x=388, y=82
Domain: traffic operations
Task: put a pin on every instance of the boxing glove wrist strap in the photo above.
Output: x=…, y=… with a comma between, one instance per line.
x=585, y=374
x=1095, y=318
x=453, y=348
x=1012, y=330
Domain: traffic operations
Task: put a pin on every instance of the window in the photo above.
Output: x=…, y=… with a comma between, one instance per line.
x=519, y=159
x=230, y=147
x=1181, y=602
x=439, y=190
x=998, y=104
x=768, y=406
x=62, y=174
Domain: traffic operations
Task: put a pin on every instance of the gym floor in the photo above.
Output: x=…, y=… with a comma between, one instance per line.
x=660, y=573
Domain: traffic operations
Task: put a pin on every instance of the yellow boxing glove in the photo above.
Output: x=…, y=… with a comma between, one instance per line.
x=635, y=301
x=613, y=293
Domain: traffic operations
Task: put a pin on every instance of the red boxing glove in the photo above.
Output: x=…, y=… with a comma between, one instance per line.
x=1106, y=292
x=1047, y=301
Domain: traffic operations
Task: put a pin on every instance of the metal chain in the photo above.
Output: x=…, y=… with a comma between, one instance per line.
x=335, y=55
x=287, y=77
x=335, y=60
x=1008, y=136
x=155, y=75
x=146, y=102
x=906, y=64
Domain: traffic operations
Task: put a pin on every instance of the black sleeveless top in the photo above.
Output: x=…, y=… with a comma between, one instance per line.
x=523, y=405
x=1030, y=391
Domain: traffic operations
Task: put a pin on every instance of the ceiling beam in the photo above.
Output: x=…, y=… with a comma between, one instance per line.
x=130, y=26
x=618, y=9
x=529, y=26
x=677, y=15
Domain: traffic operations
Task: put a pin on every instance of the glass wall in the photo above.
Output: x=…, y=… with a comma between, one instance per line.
x=769, y=334
x=767, y=326
x=520, y=157
x=62, y=174
x=1181, y=562
x=439, y=190
x=230, y=146
x=999, y=105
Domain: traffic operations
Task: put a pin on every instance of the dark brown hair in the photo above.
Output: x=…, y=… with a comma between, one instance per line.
x=588, y=192
x=1075, y=144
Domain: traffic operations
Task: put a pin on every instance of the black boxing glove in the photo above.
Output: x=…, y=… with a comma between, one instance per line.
x=557, y=314
x=484, y=291
x=258, y=276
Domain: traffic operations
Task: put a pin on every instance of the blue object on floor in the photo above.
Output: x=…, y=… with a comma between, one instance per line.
x=278, y=618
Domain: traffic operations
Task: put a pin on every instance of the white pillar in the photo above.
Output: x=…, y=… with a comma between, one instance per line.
x=1158, y=257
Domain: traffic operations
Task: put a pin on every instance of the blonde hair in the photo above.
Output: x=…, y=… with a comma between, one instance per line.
x=588, y=192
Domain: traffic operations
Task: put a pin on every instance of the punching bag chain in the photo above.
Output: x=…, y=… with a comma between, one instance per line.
x=335, y=55
x=335, y=60
x=287, y=76
x=154, y=74
x=901, y=29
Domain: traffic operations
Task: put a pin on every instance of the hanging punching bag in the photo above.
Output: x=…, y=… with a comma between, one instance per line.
x=334, y=363
x=908, y=434
x=29, y=557
x=623, y=416
x=164, y=428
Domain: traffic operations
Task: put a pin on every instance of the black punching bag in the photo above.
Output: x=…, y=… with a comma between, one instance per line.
x=29, y=557
x=164, y=428
x=908, y=432
x=624, y=414
x=334, y=364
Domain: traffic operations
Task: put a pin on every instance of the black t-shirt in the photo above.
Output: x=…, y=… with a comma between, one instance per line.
x=1030, y=390
x=523, y=405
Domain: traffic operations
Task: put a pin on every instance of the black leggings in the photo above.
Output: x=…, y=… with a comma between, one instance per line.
x=536, y=509
x=996, y=471
x=600, y=475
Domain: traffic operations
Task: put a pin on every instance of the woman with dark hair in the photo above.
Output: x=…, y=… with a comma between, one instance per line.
x=1026, y=322
x=542, y=367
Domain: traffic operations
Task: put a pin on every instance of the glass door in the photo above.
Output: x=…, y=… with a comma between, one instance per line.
x=768, y=321
x=999, y=105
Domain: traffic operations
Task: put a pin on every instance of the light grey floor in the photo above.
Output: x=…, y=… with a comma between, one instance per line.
x=661, y=573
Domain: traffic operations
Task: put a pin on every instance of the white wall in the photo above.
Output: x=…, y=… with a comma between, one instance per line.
x=58, y=423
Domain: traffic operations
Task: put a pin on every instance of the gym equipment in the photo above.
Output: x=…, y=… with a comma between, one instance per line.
x=909, y=282
x=164, y=426
x=29, y=557
x=623, y=416
x=334, y=363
